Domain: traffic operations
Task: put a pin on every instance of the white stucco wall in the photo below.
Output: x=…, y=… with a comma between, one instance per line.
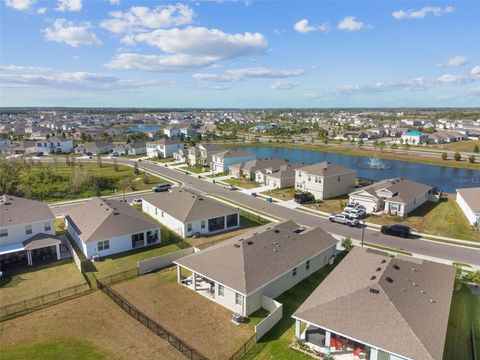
x=17, y=233
x=469, y=213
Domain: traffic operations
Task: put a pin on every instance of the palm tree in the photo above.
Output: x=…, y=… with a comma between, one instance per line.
x=347, y=244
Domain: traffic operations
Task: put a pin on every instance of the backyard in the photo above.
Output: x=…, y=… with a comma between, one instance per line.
x=88, y=327
x=463, y=146
x=197, y=320
x=38, y=281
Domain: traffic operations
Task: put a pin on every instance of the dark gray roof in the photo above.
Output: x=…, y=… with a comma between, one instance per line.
x=99, y=219
x=404, y=190
x=409, y=314
x=326, y=168
x=188, y=206
x=233, y=153
x=165, y=141
x=16, y=210
x=251, y=260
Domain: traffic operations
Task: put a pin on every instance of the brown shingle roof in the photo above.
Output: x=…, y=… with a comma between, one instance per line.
x=251, y=260
x=471, y=197
x=187, y=206
x=409, y=314
x=100, y=219
x=259, y=164
x=326, y=168
x=16, y=210
x=41, y=240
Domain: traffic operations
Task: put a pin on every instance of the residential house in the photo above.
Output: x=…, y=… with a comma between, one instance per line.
x=104, y=227
x=163, y=148
x=251, y=169
x=263, y=262
x=206, y=151
x=282, y=178
x=136, y=148
x=27, y=232
x=397, y=196
x=414, y=137
x=443, y=137
x=325, y=180
x=188, y=213
x=389, y=308
x=469, y=201
x=221, y=161
x=181, y=155
x=172, y=131
x=54, y=145
x=95, y=148
x=187, y=130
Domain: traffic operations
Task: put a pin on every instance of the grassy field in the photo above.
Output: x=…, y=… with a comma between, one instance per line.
x=284, y=194
x=332, y=206
x=274, y=345
x=242, y=183
x=85, y=328
x=465, y=311
x=162, y=160
x=59, y=182
x=39, y=281
x=462, y=146
x=197, y=320
x=445, y=218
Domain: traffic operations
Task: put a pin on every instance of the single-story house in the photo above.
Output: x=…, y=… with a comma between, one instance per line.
x=266, y=261
x=164, y=147
x=469, y=201
x=95, y=147
x=397, y=196
x=188, y=213
x=27, y=232
x=248, y=169
x=104, y=227
x=222, y=161
x=325, y=180
x=388, y=308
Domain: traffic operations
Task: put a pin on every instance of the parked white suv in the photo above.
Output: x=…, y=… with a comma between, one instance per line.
x=357, y=213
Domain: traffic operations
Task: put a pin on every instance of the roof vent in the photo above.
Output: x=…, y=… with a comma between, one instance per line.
x=378, y=269
x=275, y=250
x=403, y=289
x=423, y=291
x=433, y=301
x=415, y=284
x=249, y=242
x=276, y=231
x=116, y=213
x=389, y=279
x=373, y=277
x=236, y=245
x=374, y=291
x=299, y=230
x=383, y=261
x=396, y=267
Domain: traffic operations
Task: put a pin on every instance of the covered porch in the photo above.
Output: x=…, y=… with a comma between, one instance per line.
x=196, y=282
x=322, y=342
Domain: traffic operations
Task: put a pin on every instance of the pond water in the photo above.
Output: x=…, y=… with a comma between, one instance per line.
x=144, y=128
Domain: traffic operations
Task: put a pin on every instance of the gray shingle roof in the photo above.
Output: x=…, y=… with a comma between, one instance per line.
x=41, y=240
x=100, y=219
x=16, y=210
x=471, y=197
x=409, y=314
x=253, y=259
x=187, y=206
x=259, y=164
x=233, y=153
x=326, y=168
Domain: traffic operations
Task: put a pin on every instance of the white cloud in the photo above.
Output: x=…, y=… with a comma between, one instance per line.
x=114, y=2
x=67, y=32
x=421, y=13
x=41, y=10
x=283, y=85
x=140, y=18
x=191, y=47
x=350, y=23
x=20, y=5
x=455, y=61
x=304, y=27
x=69, y=5
x=475, y=70
x=253, y=72
x=324, y=27
x=23, y=68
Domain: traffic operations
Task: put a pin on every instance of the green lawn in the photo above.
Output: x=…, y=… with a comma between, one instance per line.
x=464, y=311
x=194, y=169
x=463, y=146
x=284, y=194
x=68, y=349
x=331, y=206
x=445, y=219
x=274, y=345
x=162, y=160
x=241, y=183
x=55, y=181
x=217, y=175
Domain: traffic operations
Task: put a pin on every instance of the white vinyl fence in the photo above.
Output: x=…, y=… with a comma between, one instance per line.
x=275, y=310
x=162, y=261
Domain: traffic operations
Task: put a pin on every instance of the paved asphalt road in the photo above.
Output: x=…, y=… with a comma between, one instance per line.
x=417, y=246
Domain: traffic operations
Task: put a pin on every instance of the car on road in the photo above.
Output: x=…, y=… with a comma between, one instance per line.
x=343, y=219
x=357, y=213
x=136, y=201
x=113, y=154
x=303, y=197
x=161, y=187
x=396, y=230
x=230, y=187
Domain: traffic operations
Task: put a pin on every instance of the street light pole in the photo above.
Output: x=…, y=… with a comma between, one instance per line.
x=363, y=231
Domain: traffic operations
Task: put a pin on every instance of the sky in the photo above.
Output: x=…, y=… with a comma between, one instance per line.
x=245, y=54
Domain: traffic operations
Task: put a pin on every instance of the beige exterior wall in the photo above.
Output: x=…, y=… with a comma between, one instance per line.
x=325, y=187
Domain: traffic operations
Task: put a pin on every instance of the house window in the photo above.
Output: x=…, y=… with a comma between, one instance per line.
x=294, y=272
x=28, y=229
x=238, y=299
x=202, y=224
x=103, y=245
x=3, y=232
x=162, y=213
x=48, y=226
x=338, y=179
x=156, y=211
x=309, y=178
x=308, y=265
x=221, y=290
x=232, y=220
x=189, y=227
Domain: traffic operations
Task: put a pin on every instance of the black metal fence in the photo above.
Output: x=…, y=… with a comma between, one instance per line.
x=121, y=276
x=16, y=309
x=253, y=217
x=474, y=343
x=245, y=348
x=176, y=342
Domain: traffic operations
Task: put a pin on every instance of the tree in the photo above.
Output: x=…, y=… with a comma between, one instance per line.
x=471, y=159
x=347, y=244
x=444, y=156
x=9, y=176
x=146, y=178
x=115, y=165
x=475, y=149
x=382, y=145
x=136, y=170
x=457, y=156
x=99, y=161
x=360, y=143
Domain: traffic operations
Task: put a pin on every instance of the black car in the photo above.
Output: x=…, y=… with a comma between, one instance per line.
x=396, y=230
x=303, y=197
